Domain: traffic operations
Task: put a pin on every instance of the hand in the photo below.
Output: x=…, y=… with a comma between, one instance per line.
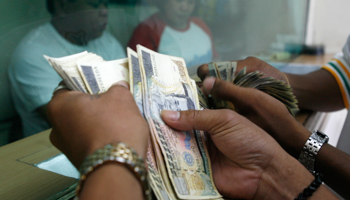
x=252, y=64
x=243, y=155
x=83, y=123
x=264, y=110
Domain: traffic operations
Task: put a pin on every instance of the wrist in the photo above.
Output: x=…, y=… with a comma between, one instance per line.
x=118, y=154
x=296, y=144
x=290, y=134
x=284, y=178
x=109, y=181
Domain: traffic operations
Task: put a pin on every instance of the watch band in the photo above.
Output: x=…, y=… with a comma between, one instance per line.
x=311, y=148
x=118, y=153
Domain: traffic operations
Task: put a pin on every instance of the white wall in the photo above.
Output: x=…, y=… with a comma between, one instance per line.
x=329, y=24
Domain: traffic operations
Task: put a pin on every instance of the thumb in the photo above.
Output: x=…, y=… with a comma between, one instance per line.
x=211, y=121
x=239, y=96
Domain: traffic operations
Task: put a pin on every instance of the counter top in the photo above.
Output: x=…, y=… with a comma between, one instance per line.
x=20, y=179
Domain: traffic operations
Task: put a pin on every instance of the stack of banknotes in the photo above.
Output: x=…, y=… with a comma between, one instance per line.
x=178, y=162
x=276, y=88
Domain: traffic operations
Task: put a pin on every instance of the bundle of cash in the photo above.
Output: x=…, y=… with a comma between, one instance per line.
x=178, y=162
x=88, y=72
x=274, y=87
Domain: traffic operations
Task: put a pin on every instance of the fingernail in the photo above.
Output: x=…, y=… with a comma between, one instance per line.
x=208, y=84
x=122, y=83
x=170, y=115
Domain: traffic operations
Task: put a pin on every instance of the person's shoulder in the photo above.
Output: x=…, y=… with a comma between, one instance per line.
x=35, y=40
x=199, y=22
x=152, y=22
x=37, y=34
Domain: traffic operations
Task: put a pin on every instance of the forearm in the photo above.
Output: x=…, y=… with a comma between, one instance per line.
x=316, y=91
x=334, y=164
x=111, y=181
x=286, y=178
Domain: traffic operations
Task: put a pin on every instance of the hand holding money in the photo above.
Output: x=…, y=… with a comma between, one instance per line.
x=263, y=110
x=276, y=88
x=96, y=120
x=241, y=153
x=253, y=64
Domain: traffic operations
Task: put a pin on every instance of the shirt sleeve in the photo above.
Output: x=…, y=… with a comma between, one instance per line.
x=144, y=35
x=339, y=68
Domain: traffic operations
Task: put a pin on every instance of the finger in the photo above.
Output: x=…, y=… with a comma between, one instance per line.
x=210, y=121
x=61, y=87
x=227, y=91
x=203, y=71
x=120, y=90
x=122, y=83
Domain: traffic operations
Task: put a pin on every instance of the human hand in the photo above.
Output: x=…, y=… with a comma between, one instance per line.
x=244, y=158
x=83, y=123
x=252, y=64
x=264, y=110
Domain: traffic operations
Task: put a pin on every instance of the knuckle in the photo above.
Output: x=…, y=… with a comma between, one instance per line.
x=192, y=115
x=252, y=58
x=120, y=92
x=227, y=115
x=221, y=88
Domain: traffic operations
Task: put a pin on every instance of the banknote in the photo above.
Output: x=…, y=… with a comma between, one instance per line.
x=66, y=67
x=157, y=182
x=276, y=88
x=186, y=161
x=135, y=79
x=100, y=76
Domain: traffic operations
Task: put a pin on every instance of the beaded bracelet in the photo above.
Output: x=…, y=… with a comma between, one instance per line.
x=312, y=187
x=118, y=153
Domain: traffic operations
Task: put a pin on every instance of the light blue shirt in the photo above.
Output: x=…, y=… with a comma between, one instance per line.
x=33, y=79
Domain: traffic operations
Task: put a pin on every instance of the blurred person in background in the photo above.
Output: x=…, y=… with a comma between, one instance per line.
x=76, y=26
x=174, y=31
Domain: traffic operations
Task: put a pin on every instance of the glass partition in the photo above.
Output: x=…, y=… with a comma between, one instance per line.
x=198, y=30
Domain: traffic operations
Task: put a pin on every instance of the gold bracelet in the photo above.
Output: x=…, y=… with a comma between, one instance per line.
x=119, y=153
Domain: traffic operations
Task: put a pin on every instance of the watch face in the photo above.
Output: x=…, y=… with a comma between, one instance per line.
x=321, y=136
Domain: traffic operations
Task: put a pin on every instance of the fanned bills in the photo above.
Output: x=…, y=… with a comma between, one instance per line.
x=89, y=73
x=276, y=88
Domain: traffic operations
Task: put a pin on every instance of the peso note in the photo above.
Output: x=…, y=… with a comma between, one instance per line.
x=187, y=166
x=100, y=76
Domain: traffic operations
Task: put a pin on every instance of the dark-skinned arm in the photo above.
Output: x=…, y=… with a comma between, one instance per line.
x=272, y=116
x=317, y=90
x=247, y=163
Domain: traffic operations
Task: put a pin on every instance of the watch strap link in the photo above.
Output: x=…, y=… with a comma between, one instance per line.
x=311, y=148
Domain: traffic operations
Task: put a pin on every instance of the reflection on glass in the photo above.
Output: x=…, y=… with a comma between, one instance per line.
x=174, y=31
x=198, y=30
x=61, y=165
x=75, y=26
